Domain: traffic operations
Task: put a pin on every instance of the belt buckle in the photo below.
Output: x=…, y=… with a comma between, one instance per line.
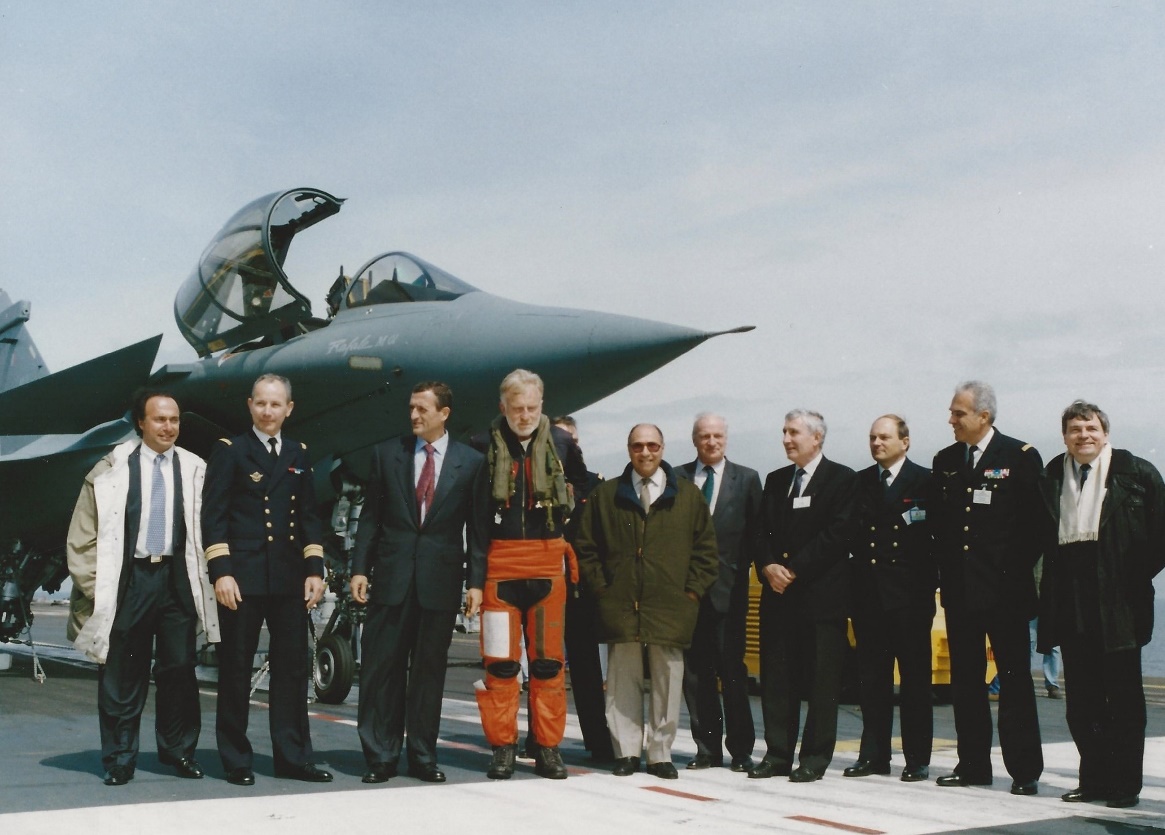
x=156, y=558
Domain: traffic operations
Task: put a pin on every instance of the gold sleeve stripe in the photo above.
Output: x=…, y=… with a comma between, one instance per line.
x=310, y=551
x=227, y=441
x=219, y=549
x=1026, y=447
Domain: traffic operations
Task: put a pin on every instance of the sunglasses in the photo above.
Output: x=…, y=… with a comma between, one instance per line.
x=640, y=446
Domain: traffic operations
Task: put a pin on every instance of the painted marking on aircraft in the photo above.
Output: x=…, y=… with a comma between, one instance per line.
x=845, y=827
x=674, y=793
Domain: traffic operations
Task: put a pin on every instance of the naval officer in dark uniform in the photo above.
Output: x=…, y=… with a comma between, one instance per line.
x=893, y=577
x=986, y=514
x=265, y=557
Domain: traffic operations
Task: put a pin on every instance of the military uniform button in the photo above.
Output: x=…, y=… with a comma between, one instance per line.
x=970, y=490
x=785, y=555
x=293, y=510
x=968, y=508
x=872, y=545
x=292, y=538
x=293, y=524
x=873, y=527
x=270, y=539
x=268, y=524
x=873, y=562
x=293, y=498
x=966, y=547
x=267, y=510
x=266, y=498
x=895, y=544
x=966, y=528
x=895, y=527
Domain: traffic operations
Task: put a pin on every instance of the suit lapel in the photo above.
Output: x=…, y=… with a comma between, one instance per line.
x=403, y=470
x=728, y=488
x=449, y=468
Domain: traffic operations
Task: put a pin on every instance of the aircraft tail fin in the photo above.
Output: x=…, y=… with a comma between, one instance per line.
x=77, y=399
x=20, y=361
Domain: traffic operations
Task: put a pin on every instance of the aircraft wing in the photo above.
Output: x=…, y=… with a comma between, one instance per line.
x=73, y=401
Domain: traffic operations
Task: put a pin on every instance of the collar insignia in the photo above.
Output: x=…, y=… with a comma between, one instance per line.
x=256, y=477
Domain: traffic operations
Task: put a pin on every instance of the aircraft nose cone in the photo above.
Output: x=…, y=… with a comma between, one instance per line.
x=584, y=356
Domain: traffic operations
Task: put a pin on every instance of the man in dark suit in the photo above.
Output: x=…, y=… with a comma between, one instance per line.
x=265, y=556
x=985, y=517
x=893, y=577
x=409, y=562
x=716, y=656
x=584, y=664
x=807, y=528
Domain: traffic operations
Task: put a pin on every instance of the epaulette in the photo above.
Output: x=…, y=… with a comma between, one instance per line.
x=227, y=441
x=1026, y=447
x=302, y=444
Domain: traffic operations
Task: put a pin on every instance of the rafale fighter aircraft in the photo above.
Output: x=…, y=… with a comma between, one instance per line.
x=400, y=321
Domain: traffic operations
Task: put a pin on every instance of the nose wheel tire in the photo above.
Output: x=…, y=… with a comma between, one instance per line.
x=335, y=667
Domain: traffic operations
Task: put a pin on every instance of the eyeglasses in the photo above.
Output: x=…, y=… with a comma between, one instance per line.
x=640, y=446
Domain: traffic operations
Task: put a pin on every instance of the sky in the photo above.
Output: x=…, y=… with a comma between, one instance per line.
x=898, y=195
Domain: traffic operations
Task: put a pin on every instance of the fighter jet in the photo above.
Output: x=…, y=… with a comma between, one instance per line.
x=399, y=321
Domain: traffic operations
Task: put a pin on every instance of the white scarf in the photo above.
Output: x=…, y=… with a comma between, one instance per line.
x=1080, y=509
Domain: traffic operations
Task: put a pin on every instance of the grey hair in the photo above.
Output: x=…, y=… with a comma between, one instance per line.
x=707, y=416
x=517, y=381
x=813, y=421
x=982, y=397
x=1083, y=410
x=273, y=378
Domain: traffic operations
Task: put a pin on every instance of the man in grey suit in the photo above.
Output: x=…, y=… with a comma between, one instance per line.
x=422, y=505
x=716, y=656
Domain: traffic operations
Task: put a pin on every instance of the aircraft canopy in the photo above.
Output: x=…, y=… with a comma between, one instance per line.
x=401, y=277
x=239, y=291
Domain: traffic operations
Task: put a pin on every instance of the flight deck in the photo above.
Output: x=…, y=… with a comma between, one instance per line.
x=50, y=775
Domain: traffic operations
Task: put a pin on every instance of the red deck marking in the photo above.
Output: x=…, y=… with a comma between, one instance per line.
x=674, y=793
x=845, y=827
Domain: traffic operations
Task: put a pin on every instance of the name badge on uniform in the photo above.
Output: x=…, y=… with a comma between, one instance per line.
x=981, y=497
x=801, y=501
x=915, y=514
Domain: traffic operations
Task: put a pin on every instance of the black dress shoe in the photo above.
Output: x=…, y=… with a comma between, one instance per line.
x=1082, y=795
x=118, y=775
x=310, y=773
x=188, y=768
x=805, y=774
x=948, y=780
x=1125, y=802
x=767, y=768
x=914, y=775
x=427, y=773
x=1025, y=789
x=664, y=771
x=701, y=761
x=743, y=764
x=379, y=773
x=241, y=776
x=864, y=768
x=625, y=766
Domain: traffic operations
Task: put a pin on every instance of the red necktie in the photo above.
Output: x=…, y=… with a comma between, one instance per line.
x=426, y=483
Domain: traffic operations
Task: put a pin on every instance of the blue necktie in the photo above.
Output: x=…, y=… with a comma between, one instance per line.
x=796, y=491
x=156, y=530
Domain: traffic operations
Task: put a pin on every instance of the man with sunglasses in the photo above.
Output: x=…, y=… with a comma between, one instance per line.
x=647, y=551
